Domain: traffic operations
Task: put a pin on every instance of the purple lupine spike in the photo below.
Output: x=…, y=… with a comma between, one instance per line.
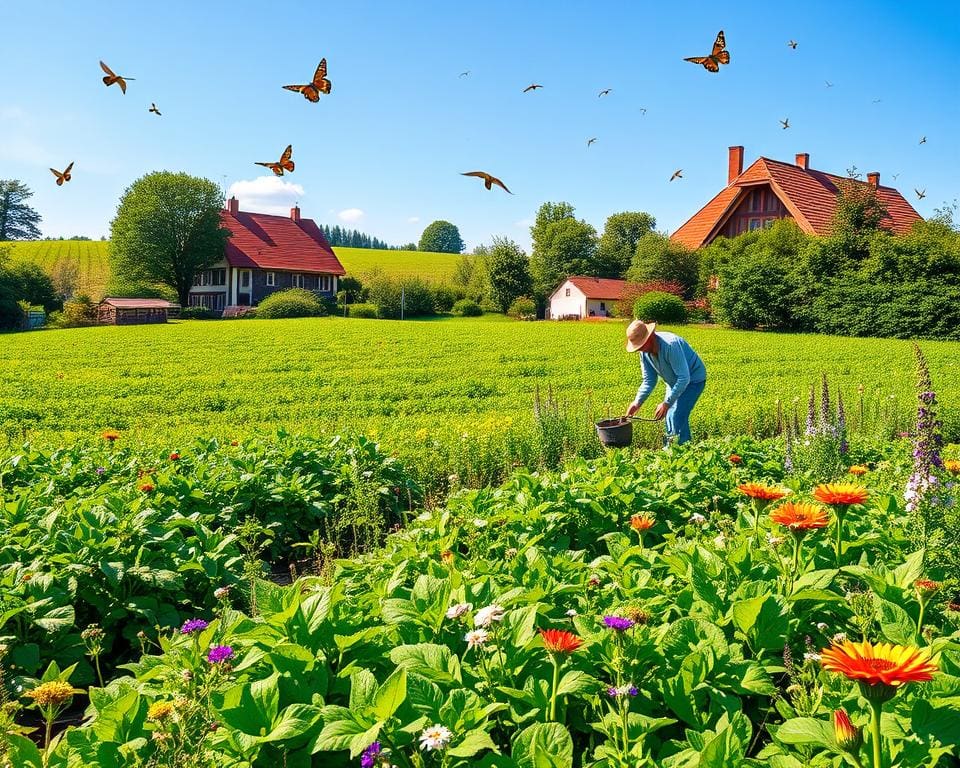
x=824, y=402
x=811, y=411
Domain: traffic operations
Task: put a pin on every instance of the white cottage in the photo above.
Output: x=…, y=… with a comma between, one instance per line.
x=579, y=297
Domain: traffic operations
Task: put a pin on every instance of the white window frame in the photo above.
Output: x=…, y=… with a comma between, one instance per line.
x=567, y=292
x=271, y=279
x=296, y=280
x=325, y=283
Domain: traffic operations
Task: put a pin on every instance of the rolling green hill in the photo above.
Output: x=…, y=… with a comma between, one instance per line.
x=94, y=268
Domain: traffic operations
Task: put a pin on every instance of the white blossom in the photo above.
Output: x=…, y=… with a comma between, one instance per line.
x=435, y=737
x=456, y=611
x=487, y=615
x=476, y=637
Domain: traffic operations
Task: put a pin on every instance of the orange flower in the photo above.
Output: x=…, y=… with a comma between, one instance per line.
x=761, y=491
x=841, y=494
x=147, y=487
x=848, y=736
x=174, y=456
x=926, y=585
x=952, y=465
x=234, y=443
x=800, y=516
x=879, y=665
x=858, y=469
x=560, y=641
x=734, y=459
x=110, y=435
x=446, y=556
x=641, y=523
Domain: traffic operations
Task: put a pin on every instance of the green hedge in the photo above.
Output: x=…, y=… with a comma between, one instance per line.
x=660, y=307
x=293, y=302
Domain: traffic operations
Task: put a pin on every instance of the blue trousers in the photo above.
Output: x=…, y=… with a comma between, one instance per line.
x=678, y=417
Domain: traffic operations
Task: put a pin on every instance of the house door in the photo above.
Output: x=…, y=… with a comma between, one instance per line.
x=244, y=292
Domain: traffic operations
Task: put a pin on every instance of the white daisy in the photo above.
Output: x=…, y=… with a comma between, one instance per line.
x=435, y=737
x=487, y=615
x=476, y=637
x=456, y=611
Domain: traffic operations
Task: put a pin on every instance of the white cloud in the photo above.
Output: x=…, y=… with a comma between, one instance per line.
x=413, y=219
x=350, y=215
x=266, y=194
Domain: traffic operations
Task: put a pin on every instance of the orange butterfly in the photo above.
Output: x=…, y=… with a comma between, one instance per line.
x=111, y=78
x=717, y=57
x=62, y=177
x=320, y=84
x=285, y=164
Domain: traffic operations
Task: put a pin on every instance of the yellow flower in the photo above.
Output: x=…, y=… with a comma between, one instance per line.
x=952, y=465
x=53, y=693
x=421, y=434
x=160, y=711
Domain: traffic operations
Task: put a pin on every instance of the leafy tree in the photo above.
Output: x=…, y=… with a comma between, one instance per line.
x=34, y=286
x=472, y=274
x=441, y=237
x=167, y=229
x=856, y=218
x=657, y=258
x=509, y=273
x=618, y=244
x=18, y=221
x=562, y=246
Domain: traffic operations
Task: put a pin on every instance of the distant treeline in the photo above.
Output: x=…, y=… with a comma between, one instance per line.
x=352, y=238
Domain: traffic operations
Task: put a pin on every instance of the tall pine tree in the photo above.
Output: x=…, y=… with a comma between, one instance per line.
x=18, y=221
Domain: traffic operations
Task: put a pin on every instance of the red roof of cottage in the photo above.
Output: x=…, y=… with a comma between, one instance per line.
x=264, y=241
x=598, y=287
x=809, y=195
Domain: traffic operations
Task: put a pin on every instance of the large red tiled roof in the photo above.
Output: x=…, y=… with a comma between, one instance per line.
x=598, y=287
x=809, y=195
x=263, y=241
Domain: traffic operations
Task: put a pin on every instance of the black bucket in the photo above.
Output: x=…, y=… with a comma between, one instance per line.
x=615, y=433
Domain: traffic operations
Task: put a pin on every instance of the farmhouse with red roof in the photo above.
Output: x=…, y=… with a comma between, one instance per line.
x=579, y=297
x=265, y=254
x=770, y=189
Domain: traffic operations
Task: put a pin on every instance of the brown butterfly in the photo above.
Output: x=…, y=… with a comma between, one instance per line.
x=532, y=87
x=677, y=174
x=488, y=180
x=285, y=163
x=717, y=57
x=153, y=108
x=112, y=78
x=62, y=177
x=320, y=84
x=921, y=193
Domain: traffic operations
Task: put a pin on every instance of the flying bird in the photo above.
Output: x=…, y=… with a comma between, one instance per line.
x=464, y=74
x=590, y=141
x=285, y=163
x=677, y=174
x=643, y=110
x=604, y=92
x=488, y=180
x=921, y=193
x=112, y=78
x=311, y=91
x=532, y=87
x=153, y=108
x=923, y=140
x=829, y=84
x=64, y=176
x=876, y=101
x=719, y=55
x=894, y=176
x=793, y=44
x=785, y=123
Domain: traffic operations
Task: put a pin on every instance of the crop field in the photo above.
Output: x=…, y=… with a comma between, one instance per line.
x=436, y=267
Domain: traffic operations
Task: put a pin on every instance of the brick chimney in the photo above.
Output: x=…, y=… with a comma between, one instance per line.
x=233, y=206
x=873, y=179
x=734, y=163
x=295, y=213
x=803, y=160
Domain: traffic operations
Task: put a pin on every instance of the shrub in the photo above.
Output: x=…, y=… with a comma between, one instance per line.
x=410, y=296
x=79, y=312
x=293, y=302
x=467, y=308
x=657, y=306
x=633, y=291
x=445, y=296
x=368, y=311
x=197, y=313
x=523, y=308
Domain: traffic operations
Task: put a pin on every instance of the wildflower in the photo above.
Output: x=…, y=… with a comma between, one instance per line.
x=560, y=641
x=624, y=690
x=774, y=541
x=952, y=466
x=101, y=470
x=841, y=494
x=160, y=711
x=734, y=459
x=857, y=470
x=435, y=737
x=641, y=523
x=811, y=656
x=697, y=519
x=926, y=585
x=222, y=593
x=53, y=693
x=487, y=615
x=174, y=456
x=593, y=581
x=637, y=615
x=147, y=487
x=822, y=625
x=618, y=623
x=186, y=675
x=369, y=757
x=234, y=443
x=800, y=517
x=879, y=668
x=446, y=557
x=219, y=654
x=511, y=552
x=839, y=638
x=476, y=637
x=193, y=625
x=160, y=736
x=572, y=612
x=848, y=736
x=110, y=435
x=456, y=611
x=761, y=491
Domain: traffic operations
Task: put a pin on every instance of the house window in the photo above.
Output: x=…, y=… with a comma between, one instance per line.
x=221, y=276
x=297, y=281
x=767, y=223
x=567, y=293
x=325, y=283
x=245, y=279
x=271, y=278
x=603, y=305
x=754, y=224
x=772, y=201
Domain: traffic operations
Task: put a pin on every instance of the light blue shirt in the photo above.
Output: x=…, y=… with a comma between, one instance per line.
x=675, y=362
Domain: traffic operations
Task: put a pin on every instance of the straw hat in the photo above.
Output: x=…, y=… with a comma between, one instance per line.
x=637, y=334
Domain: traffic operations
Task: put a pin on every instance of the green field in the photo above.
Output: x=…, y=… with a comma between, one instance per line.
x=94, y=268
x=445, y=377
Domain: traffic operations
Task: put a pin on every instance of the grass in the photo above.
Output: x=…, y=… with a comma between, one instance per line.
x=94, y=267
x=405, y=380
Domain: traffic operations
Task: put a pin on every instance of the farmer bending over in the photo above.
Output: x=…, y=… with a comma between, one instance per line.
x=670, y=357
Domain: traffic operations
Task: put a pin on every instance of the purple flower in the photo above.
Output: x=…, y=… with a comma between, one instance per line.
x=369, y=757
x=193, y=625
x=101, y=470
x=623, y=690
x=618, y=623
x=219, y=654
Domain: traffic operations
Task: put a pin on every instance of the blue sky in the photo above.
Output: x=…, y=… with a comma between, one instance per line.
x=383, y=152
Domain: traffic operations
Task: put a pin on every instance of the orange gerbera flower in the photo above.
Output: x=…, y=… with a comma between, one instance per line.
x=560, y=641
x=858, y=469
x=841, y=494
x=952, y=465
x=641, y=523
x=800, y=516
x=147, y=487
x=174, y=456
x=110, y=435
x=761, y=491
x=926, y=585
x=883, y=664
x=734, y=459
